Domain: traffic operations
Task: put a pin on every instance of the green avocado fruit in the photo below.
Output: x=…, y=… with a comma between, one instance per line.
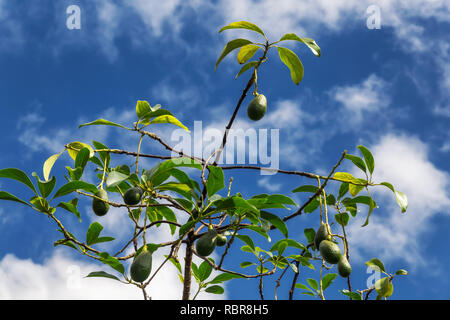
x=257, y=107
x=221, y=240
x=344, y=267
x=205, y=244
x=142, y=266
x=133, y=196
x=330, y=251
x=321, y=234
x=100, y=207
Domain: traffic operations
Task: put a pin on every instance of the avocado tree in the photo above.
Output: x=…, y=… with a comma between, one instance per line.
x=201, y=219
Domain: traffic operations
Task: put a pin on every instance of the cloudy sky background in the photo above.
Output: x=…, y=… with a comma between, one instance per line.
x=387, y=89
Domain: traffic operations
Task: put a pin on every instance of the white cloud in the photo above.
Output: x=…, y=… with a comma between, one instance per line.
x=390, y=235
x=272, y=187
x=368, y=96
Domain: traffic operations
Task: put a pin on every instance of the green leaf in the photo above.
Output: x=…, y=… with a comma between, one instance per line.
x=345, y=177
x=246, y=66
x=343, y=189
x=288, y=243
x=327, y=280
x=275, y=221
x=112, y=262
x=306, y=188
x=247, y=240
x=376, y=264
x=48, y=165
x=357, y=161
x=82, y=158
x=186, y=227
x=246, y=264
x=312, y=206
x=215, y=180
x=294, y=64
x=169, y=119
x=74, y=147
x=243, y=25
x=225, y=277
x=304, y=287
x=215, y=289
x=102, y=274
x=41, y=204
x=246, y=53
x=115, y=178
x=75, y=185
x=230, y=46
x=402, y=200
x=8, y=196
x=368, y=158
x=313, y=283
x=18, y=175
x=45, y=187
x=105, y=156
x=93, y=232
x=310, y=233
x=179, y=188
x=312, y=45
x=353, y=295
x=355, y=189
x=401, y=272
x=342, y=218
x=204, y=271
x=142, y=108
x=71, y=206
x=235, y=202
x=102, y=122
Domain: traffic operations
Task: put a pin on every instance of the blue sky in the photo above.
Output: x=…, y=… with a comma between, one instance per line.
x=387, y=89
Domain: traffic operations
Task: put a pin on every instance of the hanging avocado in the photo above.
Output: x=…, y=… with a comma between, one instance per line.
x=100, y=207
x=330, y=251
x=344, y=267
x=205, y=244
x=321, y=234
x=221, y=240
x=257, y=107
x=133, y=196
x=142, y=266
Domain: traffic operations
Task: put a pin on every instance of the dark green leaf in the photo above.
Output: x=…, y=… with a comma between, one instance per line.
x=115, y=178
x=112, y=262
x=357, y=161
x=215, y=180
x=102, y=274
x=353, y=295
x=215, y=289
x=246, y=66
x=327, y=280
x=342, y=218
x=368, y=158
x=224, y=277
x=82, y=158
x=275, y=221
x=247, y=240
x=401, y=272
x=93, y=232
x=102, y=122
x=306, y=188
x=71, y=206
x=45, y=187
x=18, y=175
x=310, y=233
x=75, y=185
x=204, y=271
x=313, y=283
x=8, y=196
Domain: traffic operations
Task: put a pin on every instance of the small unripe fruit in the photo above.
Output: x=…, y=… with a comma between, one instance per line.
x=221, y=240
x=330, y=251
x=133, y=196
x=207, y=243
x=100, y=207
x=321, y=234
x=257, y=107
x=142, y=266
x=344, y=267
